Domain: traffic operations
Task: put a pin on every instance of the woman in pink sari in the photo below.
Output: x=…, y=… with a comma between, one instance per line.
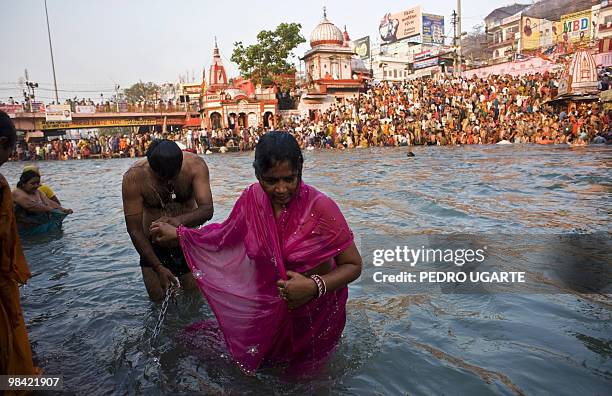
x=275, y=273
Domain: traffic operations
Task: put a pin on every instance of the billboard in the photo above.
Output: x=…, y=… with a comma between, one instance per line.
x=550, y=33
x=421, y=64
x=38, y=107
x=362, y=47
x=11, y=109
x=85, y=109
x=401, y=25
x=577, y=26
x=58, y=113
x=433, y=29
x=539, y=33
x=530, y=33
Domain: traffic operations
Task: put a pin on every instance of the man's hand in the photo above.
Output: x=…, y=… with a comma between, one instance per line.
x=163, y=234
x=166, y=277
x=297, y=290
x=170, y=220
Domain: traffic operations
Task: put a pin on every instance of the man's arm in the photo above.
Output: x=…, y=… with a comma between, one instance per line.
x=202, y=196
x=132, y=209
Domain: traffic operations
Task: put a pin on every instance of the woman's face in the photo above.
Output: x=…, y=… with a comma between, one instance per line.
x=31, y=185
x=280, y=183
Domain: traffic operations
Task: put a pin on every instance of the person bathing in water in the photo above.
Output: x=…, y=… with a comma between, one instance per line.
x=169, y=186
x=45, y=189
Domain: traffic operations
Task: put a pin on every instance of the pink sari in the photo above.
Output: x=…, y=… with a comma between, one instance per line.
x=237, y=263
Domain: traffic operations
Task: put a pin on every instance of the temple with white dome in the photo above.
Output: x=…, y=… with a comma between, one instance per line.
x=332, y=75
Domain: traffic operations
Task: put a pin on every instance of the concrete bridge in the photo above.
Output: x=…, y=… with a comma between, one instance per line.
x=37, y=122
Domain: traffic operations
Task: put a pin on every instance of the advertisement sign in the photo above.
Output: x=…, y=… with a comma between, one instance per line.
x=433, y=29
x=401, y=25
x=58, y=113
x=511, y=19
x=122, y=106
x=85, y=109
x=530, y=33
x=100, y=123
x=426, y=63
x=515, y=69
x=192, y=89
x=11, y=109
x=576, y=26
x=422, y=55
x=362, y=47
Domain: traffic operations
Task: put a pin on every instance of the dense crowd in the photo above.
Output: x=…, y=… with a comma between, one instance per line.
x=455, y=111
x=420, y=112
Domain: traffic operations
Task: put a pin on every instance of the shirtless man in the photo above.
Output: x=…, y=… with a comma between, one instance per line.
x=169, y=186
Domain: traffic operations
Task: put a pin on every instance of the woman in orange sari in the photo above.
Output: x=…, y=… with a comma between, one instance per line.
x=15, y=352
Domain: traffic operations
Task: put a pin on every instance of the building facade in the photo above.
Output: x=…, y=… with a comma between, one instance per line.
x=502, y=27
x=236, y=105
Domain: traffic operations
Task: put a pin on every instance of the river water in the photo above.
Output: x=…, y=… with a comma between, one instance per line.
x=90, y=320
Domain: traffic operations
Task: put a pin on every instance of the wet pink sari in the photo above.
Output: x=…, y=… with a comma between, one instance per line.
x=237, y=263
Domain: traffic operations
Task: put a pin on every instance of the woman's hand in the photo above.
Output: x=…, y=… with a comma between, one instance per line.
x=67, y=211
x=163, y=234
x=297, y=290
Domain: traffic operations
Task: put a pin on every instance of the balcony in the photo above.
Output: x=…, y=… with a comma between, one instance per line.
x=503, y=43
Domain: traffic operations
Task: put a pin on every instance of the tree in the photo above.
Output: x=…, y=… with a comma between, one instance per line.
x=474, y=46
x=142, y=91
x=266, y=61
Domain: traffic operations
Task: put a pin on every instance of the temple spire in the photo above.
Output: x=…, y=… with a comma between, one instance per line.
x=216, y=50
x=324, y=12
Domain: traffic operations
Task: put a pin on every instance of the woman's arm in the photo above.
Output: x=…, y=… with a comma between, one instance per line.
x=52, y=204
x=298, y=289
x=30, y=204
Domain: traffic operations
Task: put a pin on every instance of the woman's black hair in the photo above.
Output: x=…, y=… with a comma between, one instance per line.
x=275, y=147
x=7, y=129
x=26, y=177
x=165, y=158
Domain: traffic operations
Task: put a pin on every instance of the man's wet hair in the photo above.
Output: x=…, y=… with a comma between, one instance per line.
x=275, y=147
x=165, y=158
x=7, y=130
x=26, y=177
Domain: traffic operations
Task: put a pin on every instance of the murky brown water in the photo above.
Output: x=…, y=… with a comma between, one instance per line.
x=90, y=319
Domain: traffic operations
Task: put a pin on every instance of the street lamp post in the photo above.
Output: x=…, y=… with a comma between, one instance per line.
x=31, y=86
x=51, y=50
x=117, y=86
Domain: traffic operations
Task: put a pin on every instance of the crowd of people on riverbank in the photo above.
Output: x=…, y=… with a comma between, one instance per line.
x=420, y=112
x=455, y=111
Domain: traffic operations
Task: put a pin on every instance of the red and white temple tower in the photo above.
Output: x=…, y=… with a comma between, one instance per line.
x=236, y=105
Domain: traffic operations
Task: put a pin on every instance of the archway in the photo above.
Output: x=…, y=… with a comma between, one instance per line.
x=231, y=120
x=268, y=120
x=252, y=120
x=242, y=120
x=215, y=120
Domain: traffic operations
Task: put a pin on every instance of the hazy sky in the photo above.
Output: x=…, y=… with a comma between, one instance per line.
x=100, y=43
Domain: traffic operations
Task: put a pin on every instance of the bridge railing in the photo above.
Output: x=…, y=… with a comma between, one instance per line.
x=132, y=108
x=146, y=108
